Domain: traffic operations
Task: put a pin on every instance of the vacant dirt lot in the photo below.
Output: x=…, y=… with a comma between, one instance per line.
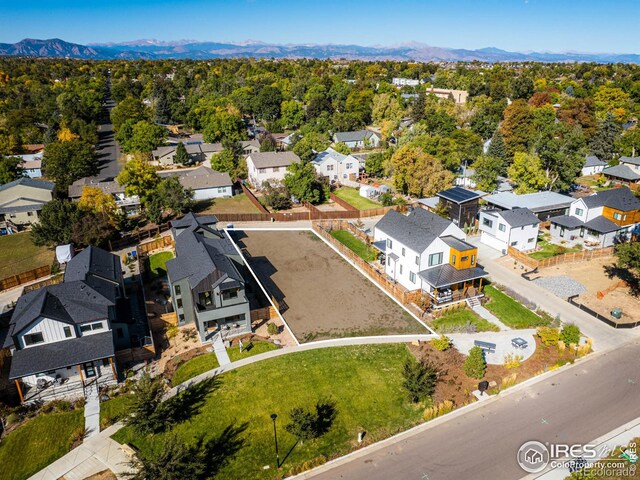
x=325, y=296
x=592, y=275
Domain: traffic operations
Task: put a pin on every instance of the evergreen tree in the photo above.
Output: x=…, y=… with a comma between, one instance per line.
x=475, y=364
x=420, y=379
x=302, y=424
x=603, y=142
x=145, y=412
x=497, y=147
x=174, y=460
x=181, y=157
x=418, y=111
x=163, y=109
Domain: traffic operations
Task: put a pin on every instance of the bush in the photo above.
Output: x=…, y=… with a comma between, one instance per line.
x=548, y=335
x=420, y=379
x=273, y=329
x=512, y=361
x=475, y=364
x=438, y=410
x=306, y=425
x=12, y=418
x=570, y=334
x=509, y=381
x=386, y=199
x=441, y=343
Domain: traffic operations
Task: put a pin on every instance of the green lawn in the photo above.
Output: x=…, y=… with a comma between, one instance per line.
x=364, y=381
x=18, y=254
x=364, y=251
x=114, y=409
x=257, y=347
x=157, y=263
x=510, y=312
x=456, y=322
x=548, y=250
x=194, y=367
x=37, y=443
x=236, y=204
x=352, y=197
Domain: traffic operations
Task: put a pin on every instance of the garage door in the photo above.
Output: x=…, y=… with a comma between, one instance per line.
x=493, y=242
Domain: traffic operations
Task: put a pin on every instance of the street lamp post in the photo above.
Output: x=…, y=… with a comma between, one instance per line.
x=275, y=438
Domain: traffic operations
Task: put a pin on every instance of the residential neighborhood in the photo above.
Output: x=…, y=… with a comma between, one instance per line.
x=300, y=257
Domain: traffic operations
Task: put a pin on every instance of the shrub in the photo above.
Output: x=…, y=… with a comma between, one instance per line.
x=441, y=343
x=12, y=418
x=77, y=436
x=386, y=199
x=509, y=381
x=420, y=379
x=570, y=334
x=475, y=364
x=273, y=329
x=438, y=410
x=548, y=335
x=561, y=346
x=512, y=361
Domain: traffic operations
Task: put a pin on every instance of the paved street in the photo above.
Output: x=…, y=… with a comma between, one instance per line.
x=577, y=405
x=107, y=149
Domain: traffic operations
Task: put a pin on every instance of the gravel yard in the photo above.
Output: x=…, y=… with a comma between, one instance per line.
x=562, y=286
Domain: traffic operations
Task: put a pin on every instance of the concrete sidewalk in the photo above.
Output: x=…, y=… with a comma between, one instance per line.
x=220, y=351
x=487, y=315
x=92, y=411
x=464, y=342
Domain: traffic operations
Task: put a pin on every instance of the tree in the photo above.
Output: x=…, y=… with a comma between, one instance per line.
x=518, y=127
x=527, y=172
x=55, y=225
x=266, y=104
x=174, y=196
x=301, y=424
x=497, y=147
x=442, y=210
x=145, y=412
x=92, y=229
x=522, y=87
x=386, y=107
x=267, y=143
x=487, y=170
x=66, y=162
x=131, y=108
x=223, y=125
x=570, y=333
x=312, y=142
x=375, y=165
x=342, y=148
x=418, y=173
x=419, y=379
x=475, y=364
x=181, y=157
x=302, y=182
x=611, y=101
x=602, y=144
x=145, y=137
x=292, y=114
x=139, y=178
x=418, y=110
x=174, y=460
x=94, y=200
x=627, y=266
x=276, y=198
x=10, y=169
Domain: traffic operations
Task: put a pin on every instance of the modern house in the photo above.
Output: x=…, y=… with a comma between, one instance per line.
x=207, y=287
x=336, y=166
x=462, y=204
x=428, y=253
x=627, y=172
x=593, y=165
x=269, y=167
x=128, y=204
x=61, y=337
x=599, y=220
x=358, y=139
x=21, y=202
x=205, y=182
x=517, y=228
x=543, y=204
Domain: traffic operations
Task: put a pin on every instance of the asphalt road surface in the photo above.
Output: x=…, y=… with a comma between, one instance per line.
x=108, y=150
x=574, y=406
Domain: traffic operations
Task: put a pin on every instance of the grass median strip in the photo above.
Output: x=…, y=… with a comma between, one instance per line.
x=364, y=251
x=509, y=311
x=461, y=321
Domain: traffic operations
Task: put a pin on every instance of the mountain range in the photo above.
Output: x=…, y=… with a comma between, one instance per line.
x=183, y=49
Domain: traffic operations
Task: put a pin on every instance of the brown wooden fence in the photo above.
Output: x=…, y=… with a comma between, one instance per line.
x=155, y=244
x=43, y=283
x=346, y=205
x=574, y=257
x=138, y=236
x=265, y=313
x=24, y=277
x=134, y=355
x=252, y=198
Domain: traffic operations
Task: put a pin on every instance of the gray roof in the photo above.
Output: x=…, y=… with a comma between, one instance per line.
x=457, y=244
x=51, y=356
x=199, y=178
x=416, y=230
x=327, y=154
x=106, y=185
x=445, y=275
x=602, y=225
x=519, y=217
x=34, y=206
x=189, y=219
x=567, y=221
x=631, y=160
x=536, y=202
x=593, y=161
x=95, y=265
x=273, y=159
x=357, y=136
x=618, y=198
x=622, y=171
x=459, y=195
x=29, y=182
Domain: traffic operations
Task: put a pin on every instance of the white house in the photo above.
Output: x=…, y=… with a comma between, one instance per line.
x=601, y=219
x=269, y=167
x=593, y=165
x=205, y=182
x=429, y=253
x=336, y=166
x=358, y=139
x=543, y=204
x=405, y=82
x=517, y=228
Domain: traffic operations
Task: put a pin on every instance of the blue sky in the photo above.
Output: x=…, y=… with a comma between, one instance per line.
x=522, y=25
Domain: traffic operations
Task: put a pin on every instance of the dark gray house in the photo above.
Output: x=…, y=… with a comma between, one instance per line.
x=61, y=337
x=207, y=287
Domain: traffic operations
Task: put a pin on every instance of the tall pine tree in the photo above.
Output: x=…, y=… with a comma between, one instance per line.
x=418, y=111
x=181, y=157
x=497, y=147
x=603, y=142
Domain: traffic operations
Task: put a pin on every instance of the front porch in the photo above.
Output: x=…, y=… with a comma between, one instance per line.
x=446, y=285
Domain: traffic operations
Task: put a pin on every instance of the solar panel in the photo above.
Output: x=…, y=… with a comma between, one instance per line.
x=458, y=195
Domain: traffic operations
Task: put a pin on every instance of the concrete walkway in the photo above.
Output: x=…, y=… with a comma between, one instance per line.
x=487, y=315
x=464, y=342
x=92, y=410
x=220, y=351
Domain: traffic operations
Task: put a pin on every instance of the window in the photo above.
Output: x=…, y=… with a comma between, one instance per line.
x=29, y=214
x=473, y=260
x=179, y=303
x=412, y=277
x=33, y=338
x=582, y=233
x=513, y=244
x=389, y=243
x=228, y=294
x=417, y=260
x=276, y=169
x=262, y=170
x=91, y=326
x=205, y=299
x=617, y=216
x=487, y=223
x=67, y=332
x=105, y=362
x=329, y=168
x=400, y=269
x=579, y=212
x=435, y=259
x=85, y=328
x=177, y=289
x=502, y=227
x=465, y=258
x=531, y=240
x=181, y=318
x=349, y=166
x=562, y=231
x=403, y=251
x=453, y=259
